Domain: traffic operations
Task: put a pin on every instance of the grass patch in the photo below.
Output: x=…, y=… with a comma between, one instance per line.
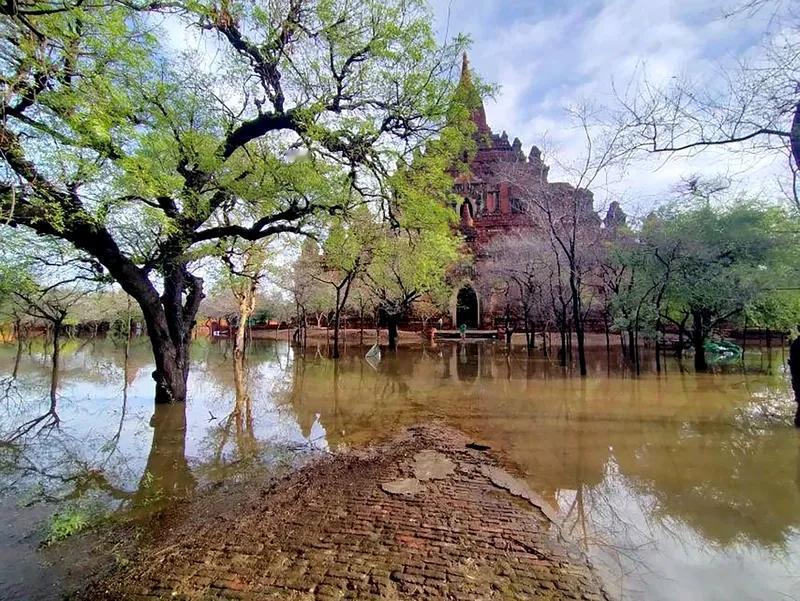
x=73, y=519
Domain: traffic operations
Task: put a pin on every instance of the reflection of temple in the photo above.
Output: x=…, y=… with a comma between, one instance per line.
x=495, y=195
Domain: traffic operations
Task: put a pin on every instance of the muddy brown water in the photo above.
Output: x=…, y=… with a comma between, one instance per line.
x=679, y=485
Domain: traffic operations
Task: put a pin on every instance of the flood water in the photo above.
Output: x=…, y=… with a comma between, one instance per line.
x=680, y=485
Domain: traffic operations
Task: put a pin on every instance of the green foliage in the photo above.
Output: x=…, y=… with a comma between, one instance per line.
x=71, y=519
x=711, y=263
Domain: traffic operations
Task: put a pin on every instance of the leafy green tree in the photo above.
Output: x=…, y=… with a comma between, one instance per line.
x=130, y=151
x=722, y=261
x=347, y=253
x=407, y=267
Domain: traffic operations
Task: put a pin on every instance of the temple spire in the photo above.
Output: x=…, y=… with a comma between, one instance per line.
x=466, y=77
x=472, y=97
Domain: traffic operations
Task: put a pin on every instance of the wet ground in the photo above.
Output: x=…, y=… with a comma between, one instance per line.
x=420, y=516
x=678, y=485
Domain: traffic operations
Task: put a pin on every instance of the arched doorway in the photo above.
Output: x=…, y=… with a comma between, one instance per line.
x=466, y=213
x=467, y=308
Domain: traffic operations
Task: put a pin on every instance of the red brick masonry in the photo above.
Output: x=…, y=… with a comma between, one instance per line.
x=330, y=531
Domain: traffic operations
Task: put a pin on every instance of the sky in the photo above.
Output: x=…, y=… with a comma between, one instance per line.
x=545, y=56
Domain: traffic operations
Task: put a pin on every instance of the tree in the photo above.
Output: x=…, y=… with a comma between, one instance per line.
x=405, y=267
x=519, y=269
x=245, y=267
x=116, y=145
x=565, y=214
x=310, y=295
x=347, y=253
x=722, y=260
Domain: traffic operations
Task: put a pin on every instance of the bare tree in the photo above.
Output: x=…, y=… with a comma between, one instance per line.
x=752, y=107
x=565, y=214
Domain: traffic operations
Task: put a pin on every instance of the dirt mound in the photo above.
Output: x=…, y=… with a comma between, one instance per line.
x=416, y=517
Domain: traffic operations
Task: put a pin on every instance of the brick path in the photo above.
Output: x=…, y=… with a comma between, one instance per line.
x=330, y=531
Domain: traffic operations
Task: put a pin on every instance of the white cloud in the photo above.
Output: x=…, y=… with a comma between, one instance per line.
x=546, y=58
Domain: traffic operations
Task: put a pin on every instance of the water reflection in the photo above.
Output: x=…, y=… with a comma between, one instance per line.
x=683, y=485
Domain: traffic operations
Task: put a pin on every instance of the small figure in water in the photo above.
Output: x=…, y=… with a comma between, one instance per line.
x=463, y=329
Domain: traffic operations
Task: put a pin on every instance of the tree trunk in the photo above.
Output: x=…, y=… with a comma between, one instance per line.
x=658, y=346
x=794, y=137
x=532, y=337
x=794, y=370
x=247, y=304
x=57, y=325
x=698, y=339
x=631, y=345
x=336, y=318
x=391, y=323
x=169, y=321
x=18, y=356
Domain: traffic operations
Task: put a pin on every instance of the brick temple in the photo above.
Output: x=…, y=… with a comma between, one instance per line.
x=495, y=194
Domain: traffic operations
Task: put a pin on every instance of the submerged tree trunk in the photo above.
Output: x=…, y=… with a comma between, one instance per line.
x=391, y=323
x=577, y=317
x=631, y=344
x=57, y=327
x=794, y=370
x=562, y=352
x=169, y=319
x=698, y=340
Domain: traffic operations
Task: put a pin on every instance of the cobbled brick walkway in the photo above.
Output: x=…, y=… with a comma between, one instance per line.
x=331, y=531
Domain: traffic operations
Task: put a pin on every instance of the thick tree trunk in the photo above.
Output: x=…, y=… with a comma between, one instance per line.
x=794, y=370
x=169, y=321
x=698, y=340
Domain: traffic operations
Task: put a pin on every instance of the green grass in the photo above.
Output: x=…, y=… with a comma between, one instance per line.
x=72, y=519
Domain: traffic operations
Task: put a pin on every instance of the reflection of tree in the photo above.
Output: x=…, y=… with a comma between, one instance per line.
x=240, y=420
x=50, y=418
x=167, y=473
